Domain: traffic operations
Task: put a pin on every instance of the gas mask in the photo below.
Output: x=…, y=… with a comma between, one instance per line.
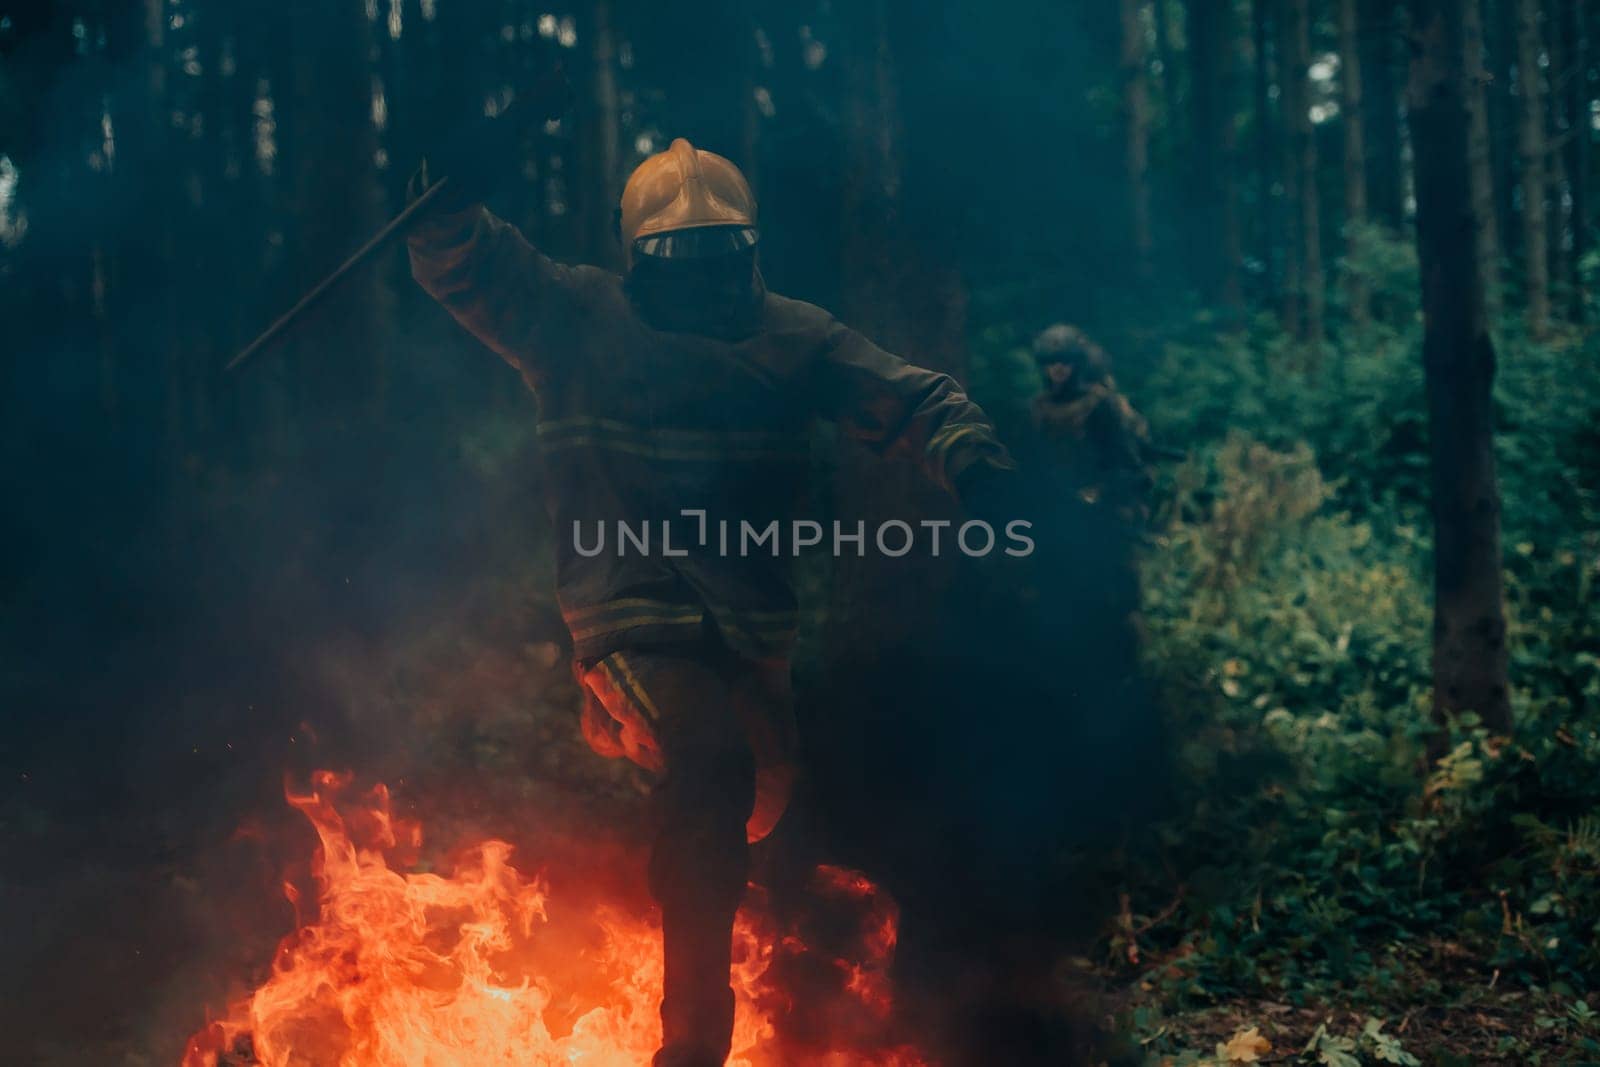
x=702, y=280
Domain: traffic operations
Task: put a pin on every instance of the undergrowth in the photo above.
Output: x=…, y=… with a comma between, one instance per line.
x=1320, y=856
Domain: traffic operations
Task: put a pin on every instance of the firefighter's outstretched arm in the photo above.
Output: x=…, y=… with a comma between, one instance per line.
x=902, y=410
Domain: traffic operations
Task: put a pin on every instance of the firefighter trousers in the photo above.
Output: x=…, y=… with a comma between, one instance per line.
x=706, y=723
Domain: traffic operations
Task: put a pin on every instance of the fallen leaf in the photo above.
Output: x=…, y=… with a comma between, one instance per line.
x=1246, y=1046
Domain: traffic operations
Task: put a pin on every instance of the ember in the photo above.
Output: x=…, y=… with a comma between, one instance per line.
x=419, y=969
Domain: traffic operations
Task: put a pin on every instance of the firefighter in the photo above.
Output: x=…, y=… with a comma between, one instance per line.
x=1107, y=441
x=683, y=385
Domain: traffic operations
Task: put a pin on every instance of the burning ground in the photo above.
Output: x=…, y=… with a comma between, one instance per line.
x=485, y=964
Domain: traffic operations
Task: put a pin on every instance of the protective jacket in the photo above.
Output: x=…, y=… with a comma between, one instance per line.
x=638, y=424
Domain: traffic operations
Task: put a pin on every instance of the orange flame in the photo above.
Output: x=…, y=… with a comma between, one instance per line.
x=423, y=970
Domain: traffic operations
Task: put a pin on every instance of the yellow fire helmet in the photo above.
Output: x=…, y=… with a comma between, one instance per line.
x=686, y=202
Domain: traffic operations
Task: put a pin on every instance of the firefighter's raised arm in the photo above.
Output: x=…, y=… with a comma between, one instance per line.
x=902, y=410
x=511, y=296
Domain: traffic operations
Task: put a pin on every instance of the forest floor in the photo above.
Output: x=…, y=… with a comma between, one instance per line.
x=1469, y=1022
x=147, y=982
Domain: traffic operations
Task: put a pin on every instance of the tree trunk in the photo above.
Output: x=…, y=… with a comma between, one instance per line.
x=1558, y=58
x=1136, y=132
x=601, y=187
x=1306, y=159
x=750, y=61
x=905, y=298
x=1303, y=169
x=1380, y=119
x=1214, y=206
x=1355, y=156
x=1169, y=65
x=902, y=295
x=1575, y=29
x=1469, y=653
x=1531, y=147
x=1293, y=294
x=1501, y=45
x=1228, y=161
x=1268, y=230
x=1205, y=137
x=1481, y=170
x=175, y=443
x=874, y=133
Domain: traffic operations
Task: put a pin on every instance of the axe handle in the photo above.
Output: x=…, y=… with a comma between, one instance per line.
x=396, y=225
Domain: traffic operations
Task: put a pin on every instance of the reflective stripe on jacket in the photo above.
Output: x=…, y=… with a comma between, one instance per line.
x=639, y=424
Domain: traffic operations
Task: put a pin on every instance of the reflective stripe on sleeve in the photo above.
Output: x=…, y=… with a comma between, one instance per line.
x=671, y=444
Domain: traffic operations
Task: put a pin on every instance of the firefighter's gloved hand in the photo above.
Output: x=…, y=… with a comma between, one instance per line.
x=996, y=495
x=478, y=155
x=993, y=494
x=422, y=180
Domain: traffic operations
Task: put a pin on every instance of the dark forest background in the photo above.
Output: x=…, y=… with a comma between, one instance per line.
x=1299, y=227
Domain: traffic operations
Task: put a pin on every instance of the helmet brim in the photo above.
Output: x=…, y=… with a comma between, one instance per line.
x=700, y=242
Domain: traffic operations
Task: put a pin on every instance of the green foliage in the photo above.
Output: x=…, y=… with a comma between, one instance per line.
x=1287, y=590
x=1333, y=1050
x=1388, y=266
x=1004, y=378
x=1386, y=1048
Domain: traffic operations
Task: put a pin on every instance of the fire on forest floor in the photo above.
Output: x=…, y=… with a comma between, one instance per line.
x=394, y=965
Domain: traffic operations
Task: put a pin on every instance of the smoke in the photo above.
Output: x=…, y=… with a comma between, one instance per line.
x=337, y=557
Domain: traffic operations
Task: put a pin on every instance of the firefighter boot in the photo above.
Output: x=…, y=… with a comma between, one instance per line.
x=699, y=889
x=699, y=863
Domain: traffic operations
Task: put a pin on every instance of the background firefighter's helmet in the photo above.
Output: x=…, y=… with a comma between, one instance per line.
x=1062, y=343
x=686, y=202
